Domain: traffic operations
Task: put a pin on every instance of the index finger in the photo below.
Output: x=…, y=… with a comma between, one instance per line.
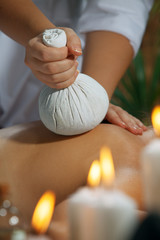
x=47, y=54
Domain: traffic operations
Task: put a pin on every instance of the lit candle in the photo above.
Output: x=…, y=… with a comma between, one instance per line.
x=81, y=216
x=107, y=167
x=116, y=216
x=150, y=159
x=42, y=216
x=102, y=213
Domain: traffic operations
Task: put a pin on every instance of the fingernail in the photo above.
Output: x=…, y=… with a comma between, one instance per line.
x=140, y=124
x=135, y=127
x=144, y=128
x=78, y=50
x=123, y=124
x=139, y=129
x=76, y=73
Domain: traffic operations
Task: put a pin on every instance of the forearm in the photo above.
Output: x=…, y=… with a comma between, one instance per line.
x=107, y=55
x=22, y=20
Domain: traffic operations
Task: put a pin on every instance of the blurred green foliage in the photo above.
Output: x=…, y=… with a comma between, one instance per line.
x=156, y=7
x=137, y=94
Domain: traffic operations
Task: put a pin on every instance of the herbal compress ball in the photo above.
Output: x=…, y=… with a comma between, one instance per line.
x=73, y=110
x=77, y=108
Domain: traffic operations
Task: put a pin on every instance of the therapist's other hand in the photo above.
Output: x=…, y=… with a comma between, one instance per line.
x=55, y=67
x=116, y=115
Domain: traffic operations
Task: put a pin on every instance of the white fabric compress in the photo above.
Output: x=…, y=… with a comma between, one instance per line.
x=76, y=109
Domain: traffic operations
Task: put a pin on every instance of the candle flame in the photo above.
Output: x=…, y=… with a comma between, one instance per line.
x=94, y=175
x=107, y=167
x=43, y=212
x=156, y=119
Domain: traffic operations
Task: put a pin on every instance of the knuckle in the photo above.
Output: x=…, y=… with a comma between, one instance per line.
x=60, y=85
x=50, y=68
x=139, y=122
x=53, y=78
x=67, y=76
x=130, y=122
x=63, y=53
x=63, y=85
x=119, y=109
x=70, y=63
x=31, y=42
x=43, y=55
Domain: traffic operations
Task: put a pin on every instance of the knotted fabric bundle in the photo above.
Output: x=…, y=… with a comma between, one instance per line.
x=75, y=109
x=54, y=38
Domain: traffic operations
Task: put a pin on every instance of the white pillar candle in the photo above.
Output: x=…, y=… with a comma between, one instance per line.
x=81, y=214
x=100, y=214
x=81, y=217
x=150, y=160
x=116, y=217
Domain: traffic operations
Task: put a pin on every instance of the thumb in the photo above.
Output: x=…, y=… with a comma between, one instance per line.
x=73, y=42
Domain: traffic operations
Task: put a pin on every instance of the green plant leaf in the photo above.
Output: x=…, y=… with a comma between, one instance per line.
x=154, y=85
x=140, y=76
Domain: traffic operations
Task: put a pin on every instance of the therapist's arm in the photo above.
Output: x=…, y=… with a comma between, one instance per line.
x=107, y=55
x=114, y=31
x=24, y=22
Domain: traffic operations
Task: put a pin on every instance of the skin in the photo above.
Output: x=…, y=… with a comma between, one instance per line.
x=57, y=68
x=33, y=160
x=119, y=54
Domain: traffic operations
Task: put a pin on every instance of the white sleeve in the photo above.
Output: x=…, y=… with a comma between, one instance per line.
x=126, y=17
